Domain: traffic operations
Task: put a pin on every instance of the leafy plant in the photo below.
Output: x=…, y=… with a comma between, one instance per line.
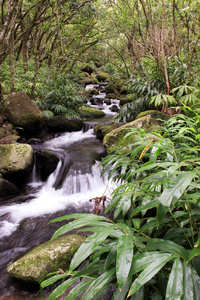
x=187, y=94
x=151, y=249
x=162, y=100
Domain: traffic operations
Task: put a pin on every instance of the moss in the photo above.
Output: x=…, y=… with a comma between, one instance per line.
x=102, y=130
x=46, y=258
x=102, y=76
x=155, y=114
x=89, y=112
x=115, y=138
x=128, y=99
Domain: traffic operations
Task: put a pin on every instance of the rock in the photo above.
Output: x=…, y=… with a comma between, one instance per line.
x=7, y=189
x=92, y=92
x=89, y=112
x=87, y=80
x=128, y=99
x=155, y=114
x=107, y=101
x=61, y=124
x=22, y=112
x=48, y=257
x=114, y=108
x=111, y=89
x=16, y=162
x=115, y=138
x=102, y=130
x=89, y=69
x=96, y=101
x=46, y=163
x=102, y=76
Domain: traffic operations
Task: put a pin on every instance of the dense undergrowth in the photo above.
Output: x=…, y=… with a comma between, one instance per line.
x=151, y=248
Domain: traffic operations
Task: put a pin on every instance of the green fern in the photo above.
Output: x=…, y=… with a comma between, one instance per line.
x=48, y=114
x=161, y=99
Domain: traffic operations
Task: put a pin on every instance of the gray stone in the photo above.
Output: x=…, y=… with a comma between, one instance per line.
x=48, y=257
x=16, y=162
x=21, y=111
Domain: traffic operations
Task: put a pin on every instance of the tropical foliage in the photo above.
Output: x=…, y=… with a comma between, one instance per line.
x=150, y=248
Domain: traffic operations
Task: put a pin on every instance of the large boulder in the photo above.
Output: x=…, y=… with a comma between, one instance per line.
x=46, y=258
x=89, y=112
x=61, y=124
x=115, y=138
x=102, y=76
x=21, y=111
x=16, y=162
x=7, y=189
x=46, y=163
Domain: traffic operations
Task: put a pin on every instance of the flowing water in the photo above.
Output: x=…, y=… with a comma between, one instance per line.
x=70, y=188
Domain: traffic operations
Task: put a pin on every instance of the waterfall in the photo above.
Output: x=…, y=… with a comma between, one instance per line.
x=76, y=180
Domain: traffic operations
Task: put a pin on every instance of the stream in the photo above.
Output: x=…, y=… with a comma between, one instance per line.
x=71, y=188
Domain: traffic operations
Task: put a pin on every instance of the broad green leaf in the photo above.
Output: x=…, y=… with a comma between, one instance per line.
x=160, y=244
x=79, y=216
x=173, y=192
x=99, y=283
x=195, y=252
x=196, y=284
x=139, y=294
x=175, y=283
x=120, y=294
x=124, y=258
x=61, y=288
x=78, y=289
x=142, y=260
x=111, y=257
x=150, y=271
x=89, y=246
x=188, y=292
x=52, y=280
x=79, y=223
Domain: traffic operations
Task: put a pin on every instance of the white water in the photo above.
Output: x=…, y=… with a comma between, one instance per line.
x=77, y=188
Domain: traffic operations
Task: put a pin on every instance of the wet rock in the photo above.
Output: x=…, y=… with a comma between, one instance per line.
x=115, y=138
x=102, y=76
x=114, y=108
x=96, y=101
x=46, y=258
x=7, y=189
x=89, y=69
x=102, y=130
x=21, y=111
x=46, y=163
x=89, y=112
x=16, y=162
x=111, y=89
x=61, y=124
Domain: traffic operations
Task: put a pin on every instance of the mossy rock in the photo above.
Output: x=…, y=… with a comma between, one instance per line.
x=87, y=68
x=155, y=114
x=87, y=80
x=48, y=257
x=128, y=99
x=16, y=162
x=112, y=96
x=115, y=138
x=91, y=92
x=111, y=89
x=21, y=111
x=103, y=76
x=102, y=130
x=89, y=112
x=61, y=124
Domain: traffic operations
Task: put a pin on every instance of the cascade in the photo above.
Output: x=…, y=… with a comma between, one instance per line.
x=71, y=188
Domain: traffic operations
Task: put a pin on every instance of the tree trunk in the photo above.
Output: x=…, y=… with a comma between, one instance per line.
x=163, y=49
